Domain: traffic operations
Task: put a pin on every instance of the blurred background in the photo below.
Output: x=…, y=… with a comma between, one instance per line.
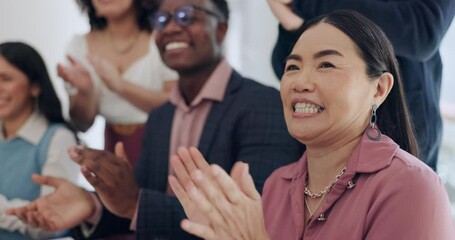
x=48, y=25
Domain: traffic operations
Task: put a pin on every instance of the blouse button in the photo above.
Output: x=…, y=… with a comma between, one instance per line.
x=351, y=184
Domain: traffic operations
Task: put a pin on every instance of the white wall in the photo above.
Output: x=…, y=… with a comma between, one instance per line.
x=448, y=58
x=45, y=24
x=446, y=164
x=253, y=32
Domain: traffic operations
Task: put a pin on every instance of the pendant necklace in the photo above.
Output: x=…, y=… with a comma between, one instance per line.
x=125, y=49
x=321, y=195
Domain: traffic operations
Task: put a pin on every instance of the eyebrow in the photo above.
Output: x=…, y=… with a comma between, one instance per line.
x=327, y=52
x=317, y=55
x=293, y=57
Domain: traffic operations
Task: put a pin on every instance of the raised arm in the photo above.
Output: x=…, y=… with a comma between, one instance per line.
x=82, y=93
x=143, y=98
x=415, y=27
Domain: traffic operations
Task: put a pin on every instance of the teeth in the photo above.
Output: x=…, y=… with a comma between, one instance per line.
x=307, y=108
x=176, y=45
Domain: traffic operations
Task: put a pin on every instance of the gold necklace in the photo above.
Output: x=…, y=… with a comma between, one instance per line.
x=123, y=50
x=307, y=205
x=326, y=189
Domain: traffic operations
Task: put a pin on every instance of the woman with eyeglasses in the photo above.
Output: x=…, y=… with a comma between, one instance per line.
x=115, y=71
x=34, y=137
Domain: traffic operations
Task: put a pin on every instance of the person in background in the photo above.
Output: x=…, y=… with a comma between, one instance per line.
x=358, y=179
x=115, y=71
x=213, y=107
x=415, y=28
x=34, y=137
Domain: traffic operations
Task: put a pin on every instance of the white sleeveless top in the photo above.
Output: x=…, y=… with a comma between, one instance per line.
x=148, y=71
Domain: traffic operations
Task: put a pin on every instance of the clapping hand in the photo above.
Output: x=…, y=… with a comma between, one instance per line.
x=108, y=73
x=230, y=205
x=187, y=161
x=111, y=175
x=65, y=208
x=76, y=75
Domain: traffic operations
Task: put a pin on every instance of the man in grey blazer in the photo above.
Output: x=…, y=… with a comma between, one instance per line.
x=228, y=117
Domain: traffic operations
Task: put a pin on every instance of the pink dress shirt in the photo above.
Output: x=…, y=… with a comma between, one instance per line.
x=189, y=120
x=385, y=193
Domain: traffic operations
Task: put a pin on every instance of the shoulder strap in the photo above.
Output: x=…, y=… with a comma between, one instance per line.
x=43, y=145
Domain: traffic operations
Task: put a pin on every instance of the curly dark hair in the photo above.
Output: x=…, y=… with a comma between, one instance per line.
x=144, y=9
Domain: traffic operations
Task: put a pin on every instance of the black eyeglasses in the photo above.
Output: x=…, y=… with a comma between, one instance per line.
x=183, y=16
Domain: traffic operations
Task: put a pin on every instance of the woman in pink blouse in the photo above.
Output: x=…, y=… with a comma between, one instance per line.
x=358, y=179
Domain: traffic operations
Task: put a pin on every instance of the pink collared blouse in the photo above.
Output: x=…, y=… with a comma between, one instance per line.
x=385, y=193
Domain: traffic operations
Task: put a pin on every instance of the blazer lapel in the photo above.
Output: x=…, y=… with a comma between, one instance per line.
x=161, y=147
x=217, y=112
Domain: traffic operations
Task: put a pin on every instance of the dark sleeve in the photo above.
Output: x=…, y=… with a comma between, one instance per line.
x=109, y=225
x=159, y=217
x=283, y=47
x=415, y=27
x=262, y=137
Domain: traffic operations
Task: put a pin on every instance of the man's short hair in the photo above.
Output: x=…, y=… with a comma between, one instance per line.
x=223, y=7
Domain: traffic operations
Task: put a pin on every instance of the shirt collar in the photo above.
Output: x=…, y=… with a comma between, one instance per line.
x=368, y=156
x=214, y=89
x=32, y=130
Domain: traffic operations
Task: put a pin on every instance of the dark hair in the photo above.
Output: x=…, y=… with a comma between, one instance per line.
x=223, y=7
x=29, y=62
x=144, y=9
x=375, y=49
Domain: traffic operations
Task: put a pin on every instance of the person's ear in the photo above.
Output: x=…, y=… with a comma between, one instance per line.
x=383, y=87
x=221, y=31
x=35, y=90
